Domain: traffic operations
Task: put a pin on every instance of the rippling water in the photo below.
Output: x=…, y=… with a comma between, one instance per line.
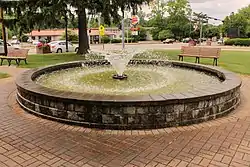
x=142, y=79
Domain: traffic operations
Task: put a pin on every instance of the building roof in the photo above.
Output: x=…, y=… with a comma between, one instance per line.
x=60, y=32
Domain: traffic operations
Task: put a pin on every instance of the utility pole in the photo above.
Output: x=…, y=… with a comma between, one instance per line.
x=89, y=29
x=3, y=32
x=127, y=26
x=123, y=34
x=190, y=27
x=66, y=32
x=201, y=18
x=201, y=25
x=99, y=24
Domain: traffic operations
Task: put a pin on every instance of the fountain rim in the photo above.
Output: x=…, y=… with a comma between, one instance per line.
x=231, y=81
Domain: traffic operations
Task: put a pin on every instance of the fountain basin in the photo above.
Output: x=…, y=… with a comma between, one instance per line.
x=130, y=111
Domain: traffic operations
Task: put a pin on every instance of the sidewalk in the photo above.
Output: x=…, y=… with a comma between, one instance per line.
x=27, y=140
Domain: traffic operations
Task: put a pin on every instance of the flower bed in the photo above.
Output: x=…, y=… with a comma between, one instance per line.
x=42, y=48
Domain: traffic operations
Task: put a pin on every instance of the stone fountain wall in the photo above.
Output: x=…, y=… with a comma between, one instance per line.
x=130, y=112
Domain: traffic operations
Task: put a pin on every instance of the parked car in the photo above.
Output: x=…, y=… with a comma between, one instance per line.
x=168, y=41
x=35, y=42
x=9, y=46
x=220, y=41
x=60, y=47
x=186, y=40
x=30, y=40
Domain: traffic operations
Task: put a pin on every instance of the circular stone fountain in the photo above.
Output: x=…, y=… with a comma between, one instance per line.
x=156, y=93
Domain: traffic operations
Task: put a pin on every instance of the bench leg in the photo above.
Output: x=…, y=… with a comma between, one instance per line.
x=196, y=59
x=1, y=61
x=215, y=62
x=9, y=61
x=17, y=62
x=25, y=60
x=180, y=58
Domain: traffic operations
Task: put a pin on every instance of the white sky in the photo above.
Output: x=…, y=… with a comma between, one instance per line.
x=218, y=8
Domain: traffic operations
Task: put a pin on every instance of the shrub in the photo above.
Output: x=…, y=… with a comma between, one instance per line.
x=75, y=42
x=238, y=42
x=116, y=40
x=105, y=39
x=131, y=40
x=72, y=36
x=165, y=34
x=24, y=38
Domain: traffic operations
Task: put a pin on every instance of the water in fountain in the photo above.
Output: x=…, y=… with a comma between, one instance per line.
x=118, y=58
x=143, y=79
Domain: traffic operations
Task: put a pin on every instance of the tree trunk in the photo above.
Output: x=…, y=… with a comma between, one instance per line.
x=82, y=31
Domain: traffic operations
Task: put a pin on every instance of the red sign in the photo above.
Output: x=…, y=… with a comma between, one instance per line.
x=134, y=20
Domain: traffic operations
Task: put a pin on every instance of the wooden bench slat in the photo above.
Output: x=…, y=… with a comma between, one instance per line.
x=200, y=52
x=15, y=54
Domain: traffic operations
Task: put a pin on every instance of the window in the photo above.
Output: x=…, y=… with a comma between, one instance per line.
x=62, y=43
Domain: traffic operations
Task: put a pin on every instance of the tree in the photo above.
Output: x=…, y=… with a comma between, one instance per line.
x=72, y=36
x=108, y=9
x=239, y=20
x=236, y=21
x=44, y=13
x=211, y=31
x=158, y=18
x=178, y=21
x=164, y=34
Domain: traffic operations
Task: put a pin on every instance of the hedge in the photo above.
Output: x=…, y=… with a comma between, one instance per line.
x=116, y=40
x=238, y=42
x=105, y=39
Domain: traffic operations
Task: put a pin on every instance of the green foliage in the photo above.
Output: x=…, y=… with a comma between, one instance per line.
x=72, y=36
x=105, y=39
x=24, y=38
x=238, y=20
x=238, y=42
x=132, y=40
x=155, y=33
x=116, y=40
x=142, y=34
x=177, y=21
x=164, y=34
x=211, y=31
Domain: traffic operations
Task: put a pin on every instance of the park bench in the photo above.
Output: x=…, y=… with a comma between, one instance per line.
x=16, y=55
x=200, y=52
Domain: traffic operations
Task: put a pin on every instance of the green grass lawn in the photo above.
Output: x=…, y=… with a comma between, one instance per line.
x=236, y=61
x=4, y=75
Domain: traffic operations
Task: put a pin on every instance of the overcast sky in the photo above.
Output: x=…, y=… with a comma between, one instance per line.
x=218, y=8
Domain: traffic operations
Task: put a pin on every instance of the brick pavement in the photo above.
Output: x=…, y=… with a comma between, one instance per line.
x=27, y=140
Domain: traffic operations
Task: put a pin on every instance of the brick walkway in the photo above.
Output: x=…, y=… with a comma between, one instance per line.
x=26, y=140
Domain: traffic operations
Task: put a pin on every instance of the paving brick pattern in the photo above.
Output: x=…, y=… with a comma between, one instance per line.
x=29, y=141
